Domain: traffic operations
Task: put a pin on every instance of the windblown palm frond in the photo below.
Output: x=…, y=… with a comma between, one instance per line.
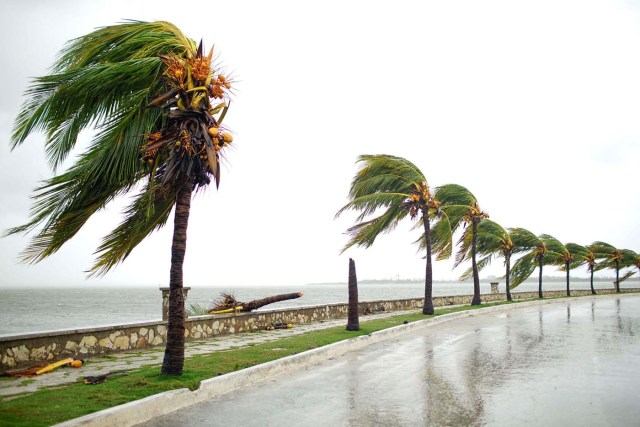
x=556, y=253
x=581, y=256
x=383, y=182
x=111, y=80
x=523, y=239
x=492, y=240
x=523, y=269
x=631, y=260
x=534, y=250
x=455, y=201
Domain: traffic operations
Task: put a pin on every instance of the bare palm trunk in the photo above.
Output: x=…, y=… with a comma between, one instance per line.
x=540, y=278
x=427, y=308
x=593, y=291
x=507, y=261
x=476, y=279
x=567, y=267
x=174, y=352
x=353, y=321
x=617, y=276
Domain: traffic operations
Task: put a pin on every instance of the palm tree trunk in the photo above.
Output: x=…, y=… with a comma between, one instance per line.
x=540, y=278
x=567, y=267
x=476, y=279
x=617, y=276
x=593, y=291
x=427, y=308
x=507, y=261
x=353, y=322
x=174, y=352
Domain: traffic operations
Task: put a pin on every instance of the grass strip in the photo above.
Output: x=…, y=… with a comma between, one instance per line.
x=54, y=405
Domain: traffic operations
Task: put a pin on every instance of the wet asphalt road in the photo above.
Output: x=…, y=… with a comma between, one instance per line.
x=567, y=363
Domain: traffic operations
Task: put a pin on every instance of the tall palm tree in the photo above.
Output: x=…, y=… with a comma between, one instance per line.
x=492, y=240
x=462, y=207
x=536, y=254
x=564, y=257
x=610, y=257
x=398, y=188
x=582, y=256
x=157, y=104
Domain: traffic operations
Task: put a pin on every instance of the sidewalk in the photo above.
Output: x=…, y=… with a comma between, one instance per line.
x=133, y=359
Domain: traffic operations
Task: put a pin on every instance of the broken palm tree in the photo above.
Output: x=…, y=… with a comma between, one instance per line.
x=227, y=303
x=353, y=321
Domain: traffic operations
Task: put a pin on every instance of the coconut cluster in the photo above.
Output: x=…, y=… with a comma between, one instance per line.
x=192, y=137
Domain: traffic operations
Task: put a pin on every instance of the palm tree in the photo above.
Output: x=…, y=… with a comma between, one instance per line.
x=400, y=189
x=610, y=257
x=157, y=104
x=564, y=256
x=582, y=256
x=492, y=239
x=462, y=207
x=536, y=254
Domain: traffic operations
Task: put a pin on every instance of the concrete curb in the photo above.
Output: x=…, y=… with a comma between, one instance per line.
x=143, y=410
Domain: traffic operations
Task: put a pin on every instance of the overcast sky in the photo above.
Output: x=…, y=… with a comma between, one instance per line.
x=534, y=106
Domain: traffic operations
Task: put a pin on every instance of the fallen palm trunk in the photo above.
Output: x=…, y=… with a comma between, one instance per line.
x=228, y=303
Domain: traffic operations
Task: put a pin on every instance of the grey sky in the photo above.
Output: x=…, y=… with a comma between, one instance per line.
x=534, y=106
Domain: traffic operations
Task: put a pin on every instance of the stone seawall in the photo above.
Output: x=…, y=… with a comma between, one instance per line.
x=30, y=349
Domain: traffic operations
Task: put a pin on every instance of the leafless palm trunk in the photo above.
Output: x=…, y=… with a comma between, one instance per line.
x=593, y=291
x=173, y=362
x=353, y=321
x=256, y=304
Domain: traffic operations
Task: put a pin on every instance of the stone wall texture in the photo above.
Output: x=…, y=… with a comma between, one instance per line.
x=29, y=349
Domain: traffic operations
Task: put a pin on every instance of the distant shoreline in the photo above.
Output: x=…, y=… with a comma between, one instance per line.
x=482, y=280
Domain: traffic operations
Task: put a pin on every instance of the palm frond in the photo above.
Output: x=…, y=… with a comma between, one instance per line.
x=522, y=269
x=383, y=182
x=365, y=233
x=148, y=212
x=482, y=263
x=523, y=239
x=602, y=249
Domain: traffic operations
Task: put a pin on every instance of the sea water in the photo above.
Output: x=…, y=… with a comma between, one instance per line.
x=25, y=310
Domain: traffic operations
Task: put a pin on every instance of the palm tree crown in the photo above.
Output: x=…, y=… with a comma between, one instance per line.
x=462, y=208
x=492, y=240
x=610, y=257
x=146, y=88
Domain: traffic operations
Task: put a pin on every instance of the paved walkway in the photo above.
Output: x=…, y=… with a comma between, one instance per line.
x=131, y=360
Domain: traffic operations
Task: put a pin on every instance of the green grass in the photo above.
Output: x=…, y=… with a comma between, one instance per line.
x=50, y=406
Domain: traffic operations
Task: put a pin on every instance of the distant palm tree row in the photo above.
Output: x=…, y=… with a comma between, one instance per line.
x=394, y=188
